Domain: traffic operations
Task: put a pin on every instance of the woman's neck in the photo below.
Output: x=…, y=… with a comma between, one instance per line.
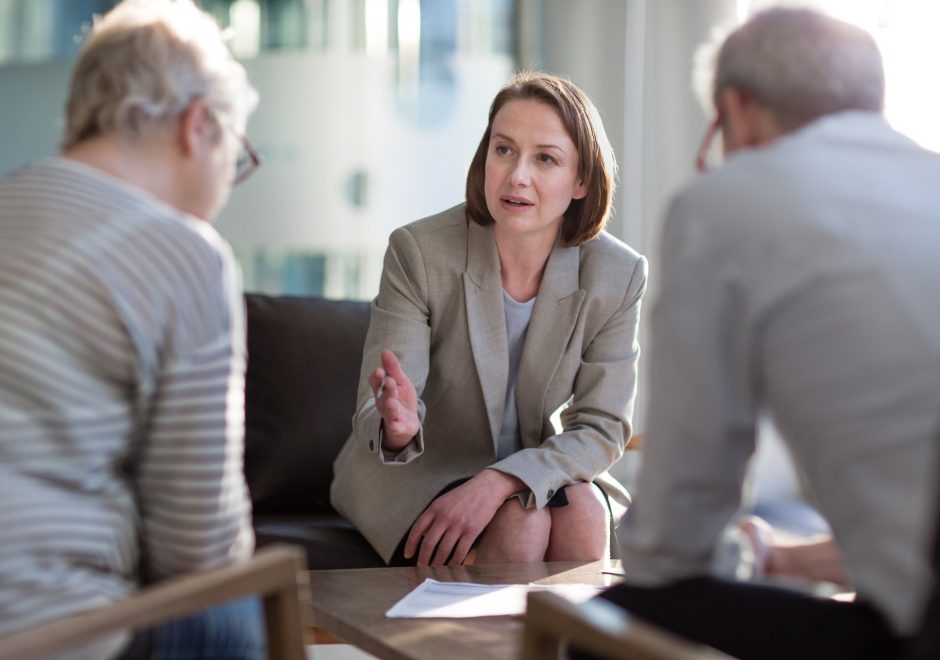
x=522, y=264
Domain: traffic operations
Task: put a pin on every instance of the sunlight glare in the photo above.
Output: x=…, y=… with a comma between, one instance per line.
x=906, y=32
x=245, y=22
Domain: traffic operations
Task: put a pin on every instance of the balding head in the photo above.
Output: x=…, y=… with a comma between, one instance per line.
x=800, y=65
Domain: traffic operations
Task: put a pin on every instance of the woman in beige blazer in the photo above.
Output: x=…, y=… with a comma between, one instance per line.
x=490, y=317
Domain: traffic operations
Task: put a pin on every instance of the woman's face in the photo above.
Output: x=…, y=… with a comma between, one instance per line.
x=531, y=171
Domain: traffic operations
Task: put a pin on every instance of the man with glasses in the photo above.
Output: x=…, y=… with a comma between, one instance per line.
x=798, y=279
x=122, y=346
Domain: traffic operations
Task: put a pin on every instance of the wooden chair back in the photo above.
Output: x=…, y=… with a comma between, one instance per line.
x=276, y=573
x=553, y=624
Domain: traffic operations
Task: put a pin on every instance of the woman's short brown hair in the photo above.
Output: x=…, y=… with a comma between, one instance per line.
x=585, y=218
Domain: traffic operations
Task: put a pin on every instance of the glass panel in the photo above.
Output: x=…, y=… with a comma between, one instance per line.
x=42, y=29
x=290, y=272
x=245, y=23
x=26, y=31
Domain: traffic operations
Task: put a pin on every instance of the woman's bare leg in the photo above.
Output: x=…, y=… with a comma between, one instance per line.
x=581, y=530
x=514, y=535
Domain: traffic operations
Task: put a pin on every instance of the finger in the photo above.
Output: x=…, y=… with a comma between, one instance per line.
x=375, y=380
x=393, y=367
x=387, y=401
x=414, y=536
x=431, y=538
x=445, y=547
x=461, y=551
x=394, y=407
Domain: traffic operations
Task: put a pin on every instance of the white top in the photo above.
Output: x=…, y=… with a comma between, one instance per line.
x=517, y=315
x=122, y=361
x=800, y=278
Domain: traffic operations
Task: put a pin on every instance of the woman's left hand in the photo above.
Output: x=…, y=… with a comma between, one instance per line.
x=455, y=519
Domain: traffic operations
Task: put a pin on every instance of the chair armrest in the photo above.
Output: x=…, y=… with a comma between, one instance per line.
x=276, y=573
x=600, y=628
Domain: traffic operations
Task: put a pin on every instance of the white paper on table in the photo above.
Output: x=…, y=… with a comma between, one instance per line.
x=458, y=600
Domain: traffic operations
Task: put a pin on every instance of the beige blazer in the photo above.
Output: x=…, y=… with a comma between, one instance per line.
x=440, y=309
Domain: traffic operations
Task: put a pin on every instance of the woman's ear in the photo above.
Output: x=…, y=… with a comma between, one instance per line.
x=580, y=191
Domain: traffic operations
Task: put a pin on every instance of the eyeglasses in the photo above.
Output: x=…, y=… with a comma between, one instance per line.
x=702, y=163
x=247, y=161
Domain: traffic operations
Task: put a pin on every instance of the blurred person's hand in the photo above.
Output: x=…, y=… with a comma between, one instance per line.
x=816, y=559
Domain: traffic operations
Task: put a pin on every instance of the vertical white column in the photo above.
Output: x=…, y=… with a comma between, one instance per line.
x=633, y=148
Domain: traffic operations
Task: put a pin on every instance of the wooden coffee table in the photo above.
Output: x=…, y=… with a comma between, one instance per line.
x=351, y=605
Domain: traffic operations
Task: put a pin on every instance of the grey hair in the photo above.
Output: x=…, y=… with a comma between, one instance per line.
x=144, y=63
x=801, y=64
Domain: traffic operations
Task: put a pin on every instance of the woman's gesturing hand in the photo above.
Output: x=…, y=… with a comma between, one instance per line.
x=397, y=402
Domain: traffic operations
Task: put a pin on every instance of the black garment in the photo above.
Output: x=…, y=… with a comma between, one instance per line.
x=926, y=644
x=762, y=622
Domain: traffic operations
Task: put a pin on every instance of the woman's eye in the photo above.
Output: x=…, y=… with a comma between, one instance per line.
x=501, y=149
x=545, y=158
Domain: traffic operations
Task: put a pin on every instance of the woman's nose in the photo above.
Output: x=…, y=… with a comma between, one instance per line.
x=519, y=174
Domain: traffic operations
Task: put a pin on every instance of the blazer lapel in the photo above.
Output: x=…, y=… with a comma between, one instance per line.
x=486, y=320
x=554, y=318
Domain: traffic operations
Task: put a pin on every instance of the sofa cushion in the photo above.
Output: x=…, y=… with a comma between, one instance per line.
x=304, y=356
x=329, y=541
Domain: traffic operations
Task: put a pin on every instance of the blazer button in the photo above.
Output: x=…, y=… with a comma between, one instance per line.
x=551, y=494
x=371, y=445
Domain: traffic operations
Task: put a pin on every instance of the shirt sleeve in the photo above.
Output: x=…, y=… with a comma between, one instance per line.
x=701, y=414
x=195, y=509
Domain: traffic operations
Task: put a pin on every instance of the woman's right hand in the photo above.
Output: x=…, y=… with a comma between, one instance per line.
x=397, y=402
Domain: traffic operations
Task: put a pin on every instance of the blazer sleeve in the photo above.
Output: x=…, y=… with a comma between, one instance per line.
x=597, y=422
x=399, y=321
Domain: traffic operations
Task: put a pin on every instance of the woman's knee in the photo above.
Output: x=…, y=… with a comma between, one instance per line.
x=580, y=530
x=515, y=535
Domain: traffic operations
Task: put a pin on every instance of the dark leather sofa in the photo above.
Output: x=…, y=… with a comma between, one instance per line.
x=304, y=355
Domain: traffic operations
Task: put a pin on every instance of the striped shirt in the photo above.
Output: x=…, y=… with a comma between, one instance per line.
x=122, y=361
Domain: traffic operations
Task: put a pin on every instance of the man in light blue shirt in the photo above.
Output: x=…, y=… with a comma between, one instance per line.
x=798, y=279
